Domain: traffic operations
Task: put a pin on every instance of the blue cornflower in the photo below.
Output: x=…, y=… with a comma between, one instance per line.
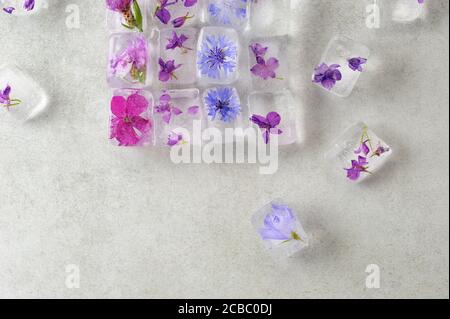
x=223, y=102
x=217, y=54
x=225, y=11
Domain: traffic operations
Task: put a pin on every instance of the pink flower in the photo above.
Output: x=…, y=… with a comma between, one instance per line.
x=128, y=126
x=265, y=70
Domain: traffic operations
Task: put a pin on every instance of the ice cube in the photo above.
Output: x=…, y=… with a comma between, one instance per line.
x=175, y=113
x=270, y=17
x=341, y=66
x=179, y=45
x=131, y=18
x=229, y=13
x=280, y=229
x=218, y=56
x=176, y=14
x=223, y=108
x=269, y=63
x=129, y=61
x=404, y=10
x=22, y=7
x=131, y=118
x=20, y=96
x=358, y=153
x=282, y=106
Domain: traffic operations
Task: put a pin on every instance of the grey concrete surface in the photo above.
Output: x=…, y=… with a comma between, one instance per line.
x=139, y=226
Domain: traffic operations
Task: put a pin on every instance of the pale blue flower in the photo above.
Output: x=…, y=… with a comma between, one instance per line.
x=223, y=103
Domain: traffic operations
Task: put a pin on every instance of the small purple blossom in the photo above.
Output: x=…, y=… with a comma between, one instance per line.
x=281, y=224
x=381, y=150
x=174, y=139
x=327, y=76
x=162, y=12
x=177, y=42
x=356, y=63
x=5, y=99
x=166, y=109
x=167, y=70
x=268, y=124
x=358, y=166
x=28, y=5
x=179, y=22
x=364, y=148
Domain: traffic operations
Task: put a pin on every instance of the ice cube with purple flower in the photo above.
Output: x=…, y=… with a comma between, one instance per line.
x=127, y=15
x=218, y=56
x=280, y=229
x=129, y=61
x=176, y=13
x=179, y=45
x=176, y=112
x=341, y=66
x=274, y=114
x=228, y=13
x=21, y=97
x=358, y=153
x=269, y=63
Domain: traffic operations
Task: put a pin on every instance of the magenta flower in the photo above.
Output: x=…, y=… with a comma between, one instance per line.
x=177, y=42
x=167, y=70
x=327, y=76
x=128, y=126
x=356, y=63
x=358, y=167
x=268, y=124
x=118, y=5
x=166, y=109
x=5, y=99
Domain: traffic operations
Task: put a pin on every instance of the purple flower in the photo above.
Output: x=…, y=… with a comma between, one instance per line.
x=265, y=69
x=268, y=124
x=381, y=150
x=327, y=76
x=167, y=70
x=358, y=167
x=162, y=13
x=190, y=3
x=280, y=224
x=179, y=22
x=28, y=5
x=166, y=109
x=5, y=99
x=177, y=42
x=356, y=63
x=363, y=148
x=9, y=10
x=132, y=17
x=258, y=49
x=174, y=139
x=118, y=5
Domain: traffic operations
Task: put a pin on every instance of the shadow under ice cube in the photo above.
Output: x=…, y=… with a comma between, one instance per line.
x=280, y=229
x=358, y=153
x=20, y=96
x=341, y=66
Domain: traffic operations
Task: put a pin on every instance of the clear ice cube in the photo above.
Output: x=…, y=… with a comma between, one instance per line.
x=280, y=229
x=129, y=61
x=17, y=7
x=131, y=19
x=175, y=113
x=20, y=96
x=223, y=108
x=131, y=122
x=358, y=153
x=283, y=103
x=269, y=63
x=404, y=10
x=341, y=66
x=179, y=45
x=270, y=17
x=176, y=14
x=228, y=13
x=218, y=56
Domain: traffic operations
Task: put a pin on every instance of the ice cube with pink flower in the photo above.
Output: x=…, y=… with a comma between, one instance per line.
x=127, y=15
x=279, y=227
x=341, y=66
x=358, y=154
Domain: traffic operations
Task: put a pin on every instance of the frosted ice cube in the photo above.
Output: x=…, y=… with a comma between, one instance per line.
x=129, y=61
x=180, y=46
x=404, y=10
x=176, y=14
x=131, y=19
x=280, y=229
x=270, y=17
x=229, y=13
x=223, y=108
x=282, y=103
x=358, y=153
x=218, y=56
x=175, y=113
x=341, y=66
x=131, y=121
x=22, y=7
x=20, y=96
x=269, y=63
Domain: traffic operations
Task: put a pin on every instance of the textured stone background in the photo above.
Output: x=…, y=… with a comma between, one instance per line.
x=139, y=226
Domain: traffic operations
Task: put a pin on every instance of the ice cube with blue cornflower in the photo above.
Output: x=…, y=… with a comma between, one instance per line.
x=218, y=56
x=280, y=229
x=229, y=13
x=341, y=66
